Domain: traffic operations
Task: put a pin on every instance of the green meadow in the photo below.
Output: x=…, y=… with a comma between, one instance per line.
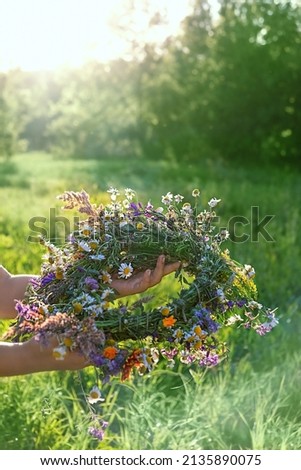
x=250, y=401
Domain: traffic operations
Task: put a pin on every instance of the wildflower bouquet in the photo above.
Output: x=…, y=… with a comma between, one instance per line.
x=73, y=298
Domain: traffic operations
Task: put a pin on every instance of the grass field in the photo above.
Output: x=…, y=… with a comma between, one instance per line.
x=252, y=401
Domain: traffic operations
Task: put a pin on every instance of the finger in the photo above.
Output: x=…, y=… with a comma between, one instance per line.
x=171, y=267
x=158, y=272
x=143, y=283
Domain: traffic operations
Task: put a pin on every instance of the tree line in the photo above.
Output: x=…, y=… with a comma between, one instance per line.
x=226, y=87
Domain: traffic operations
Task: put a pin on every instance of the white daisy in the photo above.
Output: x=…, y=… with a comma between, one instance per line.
x=125, y=270
x=195, y=193
x=253, y=305
x=235, y=318
x=167, y=199
x=129, y=193
x=113, y=193
x=106, y=277
x=249, y=270
x=106, y=293
x=178, y=198
x=59, y=353
x=213, y=202
x=95, y=395
x=84, y=246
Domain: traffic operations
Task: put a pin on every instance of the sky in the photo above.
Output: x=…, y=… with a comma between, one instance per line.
x=48, y=34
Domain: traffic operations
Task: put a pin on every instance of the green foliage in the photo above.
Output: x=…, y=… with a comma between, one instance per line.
x=226, y=87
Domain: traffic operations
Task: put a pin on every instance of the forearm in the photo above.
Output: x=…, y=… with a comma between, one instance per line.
x=11, y=288
x=31, y=357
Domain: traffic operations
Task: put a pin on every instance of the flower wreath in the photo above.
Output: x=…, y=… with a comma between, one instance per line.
x=73, y=297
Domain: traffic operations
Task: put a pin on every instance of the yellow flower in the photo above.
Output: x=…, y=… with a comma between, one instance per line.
x=165, y=311
x=68, y=342
x=93, y=245
x=168, y=322
x=77, y=307
x=59, y=353
x=140, y=226
x=179, y=334
x=59, y=274
x=105, y=305
x=198, y=330
x=106, y=277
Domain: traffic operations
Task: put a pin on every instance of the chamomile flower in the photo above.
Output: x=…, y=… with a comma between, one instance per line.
x=59, y=353
x=233, y=319
x=213, y=202
x=95, y=395
x=253, y=305
x=195, y=193
x=249, y=270
x=129, y=193
x=178, y=198
x=113, y=193
x=125, y=270
x=84, y=246
x=106, y=277
x=167, y=199
x=106, y=293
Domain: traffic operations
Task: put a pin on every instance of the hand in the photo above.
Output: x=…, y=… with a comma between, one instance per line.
x=142, y=281
x=42, y=358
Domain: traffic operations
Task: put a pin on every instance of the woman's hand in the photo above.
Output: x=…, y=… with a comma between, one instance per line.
x=32, y=356
x=142, y=281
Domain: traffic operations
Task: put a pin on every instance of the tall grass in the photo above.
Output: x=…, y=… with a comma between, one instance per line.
x=252, y=401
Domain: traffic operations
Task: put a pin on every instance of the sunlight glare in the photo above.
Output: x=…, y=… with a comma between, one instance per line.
x=47, y=34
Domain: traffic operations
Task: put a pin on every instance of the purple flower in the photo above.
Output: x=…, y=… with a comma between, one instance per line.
x=169, y=354
x=34, y=282
x=136, y=208
x=24, y=311
x=205, y=321
x=98, y=433
x=210, y=360
x=97, y=359
x=241, y=303
x=91, y=283
x=46, y=279
x=263, y=329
